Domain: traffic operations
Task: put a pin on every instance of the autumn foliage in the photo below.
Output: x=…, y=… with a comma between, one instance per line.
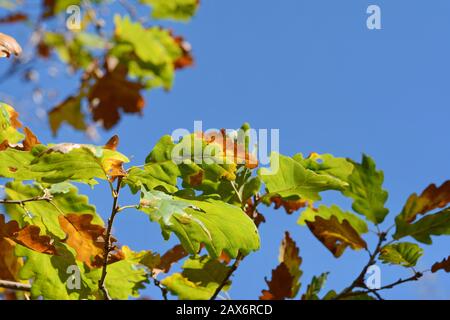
x=213, y=208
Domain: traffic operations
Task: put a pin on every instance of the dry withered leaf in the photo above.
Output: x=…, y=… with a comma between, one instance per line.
x=285, y=281
x=9, y=263
x=30, y=140
x=443, y=265
x=289, y=205
x=113, y=167
x=253, y=213
x=279, y=285
x=336, y=236
x=9, y=46
x=114, y=92
x=14, y=17
x=186, y=60
x=28, y=236
x=169, y=258
x=431, y=198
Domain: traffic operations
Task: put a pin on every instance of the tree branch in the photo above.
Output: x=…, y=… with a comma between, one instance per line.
x=45, y=197
x=108, y=247
x=157, y=283
x=359, y=281
x=233, y=268
x=15, y=285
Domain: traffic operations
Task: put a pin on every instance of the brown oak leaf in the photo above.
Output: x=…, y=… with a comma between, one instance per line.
x=431, y=198
x=112, y=93
x=285, y=282
x=28, y=236
x=289, y=205
x=170, y=257
x=443, y=265
x=87, y=239
x=335, y=235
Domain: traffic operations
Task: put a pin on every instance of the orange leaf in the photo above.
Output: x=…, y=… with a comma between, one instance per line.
x=430, y=199
x=186, y=60
x=9, y=263
x=443, y=265
x=289, y=205
x=113, y=167
x=86, y=238
x=336, y=236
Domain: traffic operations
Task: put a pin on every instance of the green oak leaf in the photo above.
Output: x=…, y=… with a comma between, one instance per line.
x=45, y=214
x=159, y=170
x=291, y=179
x=58, y=163
x=403, y=253
x=51, y=274
x=163, y=206
x=178, y=10
x=199, y=280
x=340, y=168
x=125, y=277
x=149, y=53
x=313, y=290
x=309, y=214
x=67, y=111
x=217, y=225
x=434, y=224
x=9, y=125
x=366, y=190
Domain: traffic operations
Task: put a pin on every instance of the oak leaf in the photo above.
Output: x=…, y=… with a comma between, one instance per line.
x=28, y=236
x=285, y=282
x=172, y=256
x=289, y=205
x=114, y=92
x=431, y=198
x=443, y=265
x=335, y=235
x=86, y=238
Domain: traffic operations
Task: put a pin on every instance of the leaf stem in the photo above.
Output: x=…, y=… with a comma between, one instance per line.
x=107, y=248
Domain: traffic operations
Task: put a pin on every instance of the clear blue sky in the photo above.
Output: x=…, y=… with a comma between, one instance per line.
x=313, y=70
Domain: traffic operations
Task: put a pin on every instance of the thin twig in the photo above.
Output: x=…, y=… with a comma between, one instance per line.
x=163, y=289
x=107, y=248
x=359, y=281
x=45, y=197
x=224, y=282
x=15, y=285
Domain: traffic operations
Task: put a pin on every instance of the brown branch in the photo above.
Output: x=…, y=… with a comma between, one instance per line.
x=15, y=285
x=233, y=268
x=157, y=283
x=45, y=197
x=108, y=246
x=359, y=281
x=414, y=277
